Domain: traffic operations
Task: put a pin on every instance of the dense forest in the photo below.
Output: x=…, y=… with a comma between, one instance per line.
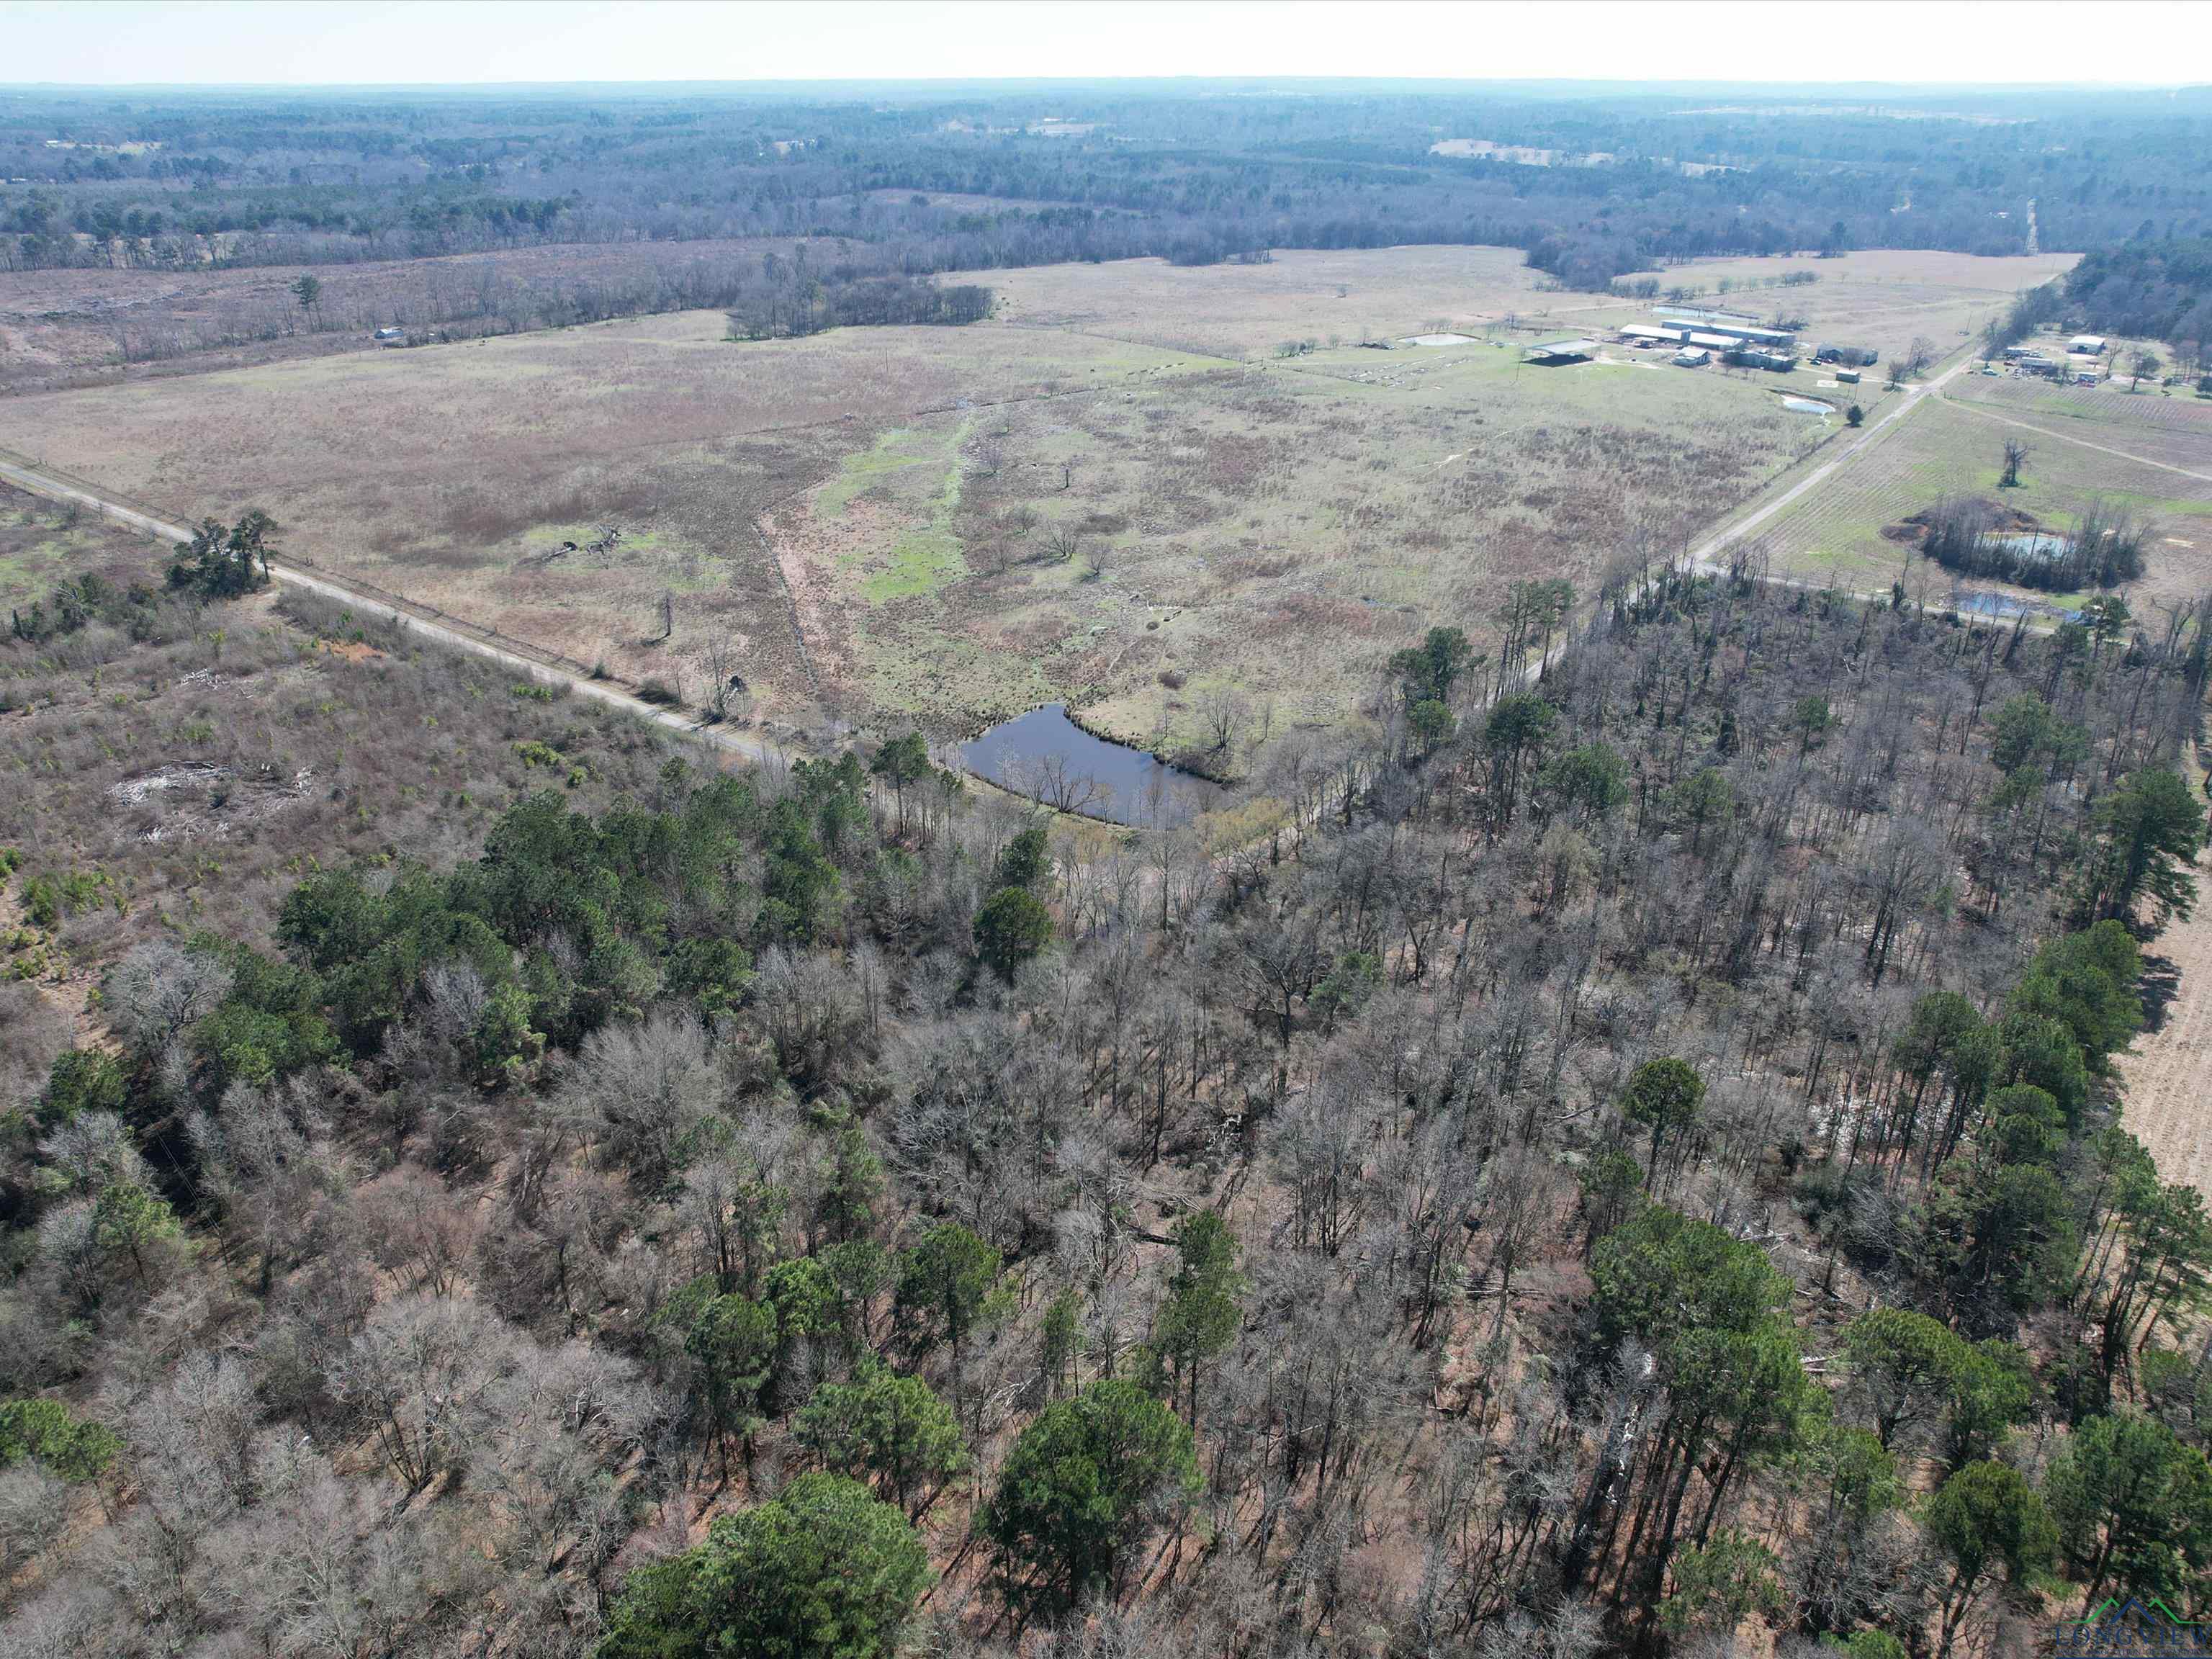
x=1592, y=181
x=2153, y=289
x=1600, y=1161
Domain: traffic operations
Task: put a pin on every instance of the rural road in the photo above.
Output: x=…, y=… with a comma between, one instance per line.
x=1702, y=555
x=755, y=748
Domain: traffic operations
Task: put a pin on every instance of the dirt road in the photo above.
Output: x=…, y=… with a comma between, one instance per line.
x=2079, y=443
x=446, y=630
x=1702, y=555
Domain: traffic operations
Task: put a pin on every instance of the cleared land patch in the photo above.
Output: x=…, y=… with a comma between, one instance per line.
x=1117, y=493
x=1265, y=534
x=448, y=473
x=2174, y=430
x=1242, y=311
x=1944, y=448
x=1883, y=297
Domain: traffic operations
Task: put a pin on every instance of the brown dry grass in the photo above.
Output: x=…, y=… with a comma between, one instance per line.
x=1272, y=531
x=1247, y=311
x=277, y=744
x=1882, y=297
x=2164, y=1074
x=436, y=472
x=1271, y=528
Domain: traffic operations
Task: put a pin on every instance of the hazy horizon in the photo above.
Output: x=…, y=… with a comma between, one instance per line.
x=224, y=45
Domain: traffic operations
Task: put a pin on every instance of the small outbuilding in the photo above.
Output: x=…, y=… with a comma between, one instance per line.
x=1692, y=356
x=391, y=336
x=2086, y=345
x=1850, y=356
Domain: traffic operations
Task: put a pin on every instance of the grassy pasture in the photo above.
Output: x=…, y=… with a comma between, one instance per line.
x=2175, y=429
x=1268, y=531
x=1114, y=492
x=1834, y=533
x=1245, y=311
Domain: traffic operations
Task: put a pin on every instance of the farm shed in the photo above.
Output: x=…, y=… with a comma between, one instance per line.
x=1752, y=335
x=1714, y=342
x=1649, y=334
x=1692, y=357
x=1553, y=352
x=1755, y=356
x=2086, y=345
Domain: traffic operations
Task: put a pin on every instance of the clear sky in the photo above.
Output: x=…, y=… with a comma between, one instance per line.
x=336, y=42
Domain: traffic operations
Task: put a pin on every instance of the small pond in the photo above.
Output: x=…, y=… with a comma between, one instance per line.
x=1048, y=757
x=1438, y=339
x=1808, y=405
x=2035, y=544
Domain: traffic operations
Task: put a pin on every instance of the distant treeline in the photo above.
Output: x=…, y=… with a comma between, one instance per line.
x=784, y=303
x=1098, y=173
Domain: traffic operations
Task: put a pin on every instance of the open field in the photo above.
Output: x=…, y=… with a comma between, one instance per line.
x=1259, y=533
x=1075, y=500
x=1950, y=445
x=448, y=473
x=1883, y=297
x=2164, y=1072
x=1246, y=312
x=2175, y=430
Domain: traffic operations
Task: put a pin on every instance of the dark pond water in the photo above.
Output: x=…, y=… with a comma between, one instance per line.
x=2035, y=544
x=1046, y=757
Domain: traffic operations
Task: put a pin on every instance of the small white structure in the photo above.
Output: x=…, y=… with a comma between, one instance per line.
x=1692, y=357
x=2086, y=345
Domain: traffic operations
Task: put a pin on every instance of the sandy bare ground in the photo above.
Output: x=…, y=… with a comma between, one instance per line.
x=2168, y=1074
